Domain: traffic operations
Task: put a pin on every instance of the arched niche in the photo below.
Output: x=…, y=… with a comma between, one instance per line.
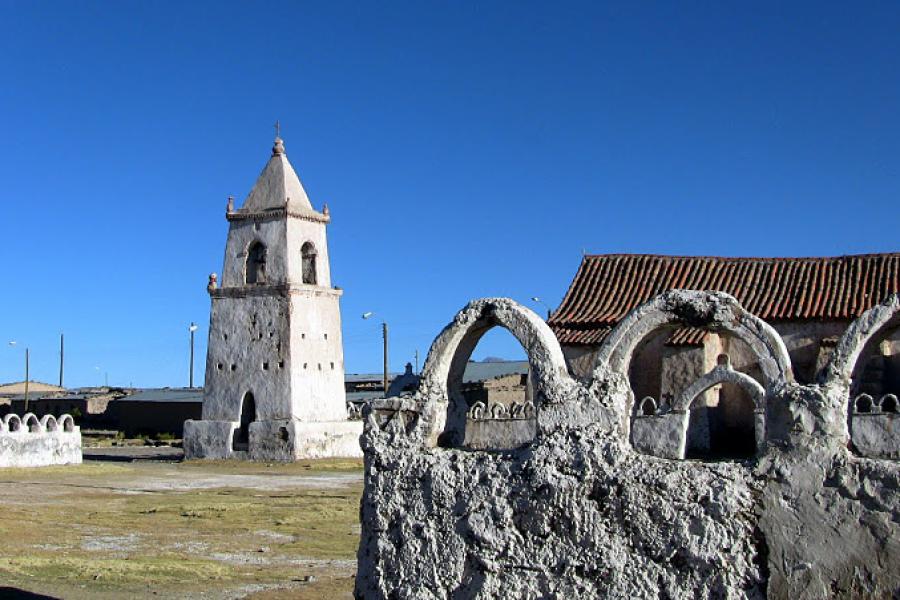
x=308, y=255
x=255, y=267
x=444, y=411
x=12, y=422
x=67, y=423
x=49, y=423
x=715, y=311
x=31, y=423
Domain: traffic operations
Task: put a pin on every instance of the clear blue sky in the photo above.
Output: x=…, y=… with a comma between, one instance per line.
x=465, y=149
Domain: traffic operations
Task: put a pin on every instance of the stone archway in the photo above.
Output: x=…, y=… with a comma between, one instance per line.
x=839, y=369
x=873, y=432
x=241, y=438
x=443, y=413
x=738, y=439
x=715, y=311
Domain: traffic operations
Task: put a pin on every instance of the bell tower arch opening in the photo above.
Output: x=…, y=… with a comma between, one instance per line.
x=255, y=271
x=308, y=253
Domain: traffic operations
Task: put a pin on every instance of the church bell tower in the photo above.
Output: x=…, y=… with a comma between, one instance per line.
x=275, y=364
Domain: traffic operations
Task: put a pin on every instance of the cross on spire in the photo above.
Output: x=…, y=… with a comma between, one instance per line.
x=278, y=148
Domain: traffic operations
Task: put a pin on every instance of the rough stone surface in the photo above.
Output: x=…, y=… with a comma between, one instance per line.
x=876, y=435
x=660, y=435
x=578, y=513
x=31, y=442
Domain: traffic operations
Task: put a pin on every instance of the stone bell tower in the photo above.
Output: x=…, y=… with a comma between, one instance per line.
x=275, y=362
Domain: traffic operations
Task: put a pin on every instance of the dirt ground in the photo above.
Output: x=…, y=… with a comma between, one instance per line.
x=163, y=529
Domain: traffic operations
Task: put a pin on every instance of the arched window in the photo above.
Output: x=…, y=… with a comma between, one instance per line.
x=309, y=263
x=241, y=439
x=255, y=272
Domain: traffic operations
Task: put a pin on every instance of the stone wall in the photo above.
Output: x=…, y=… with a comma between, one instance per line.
x=578, y=512
x=27, y=441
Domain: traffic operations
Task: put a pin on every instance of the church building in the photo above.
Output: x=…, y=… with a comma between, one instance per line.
x=810, y=302
x=275, y=363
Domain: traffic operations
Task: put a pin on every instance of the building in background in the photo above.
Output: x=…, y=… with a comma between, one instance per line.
x=809, y=301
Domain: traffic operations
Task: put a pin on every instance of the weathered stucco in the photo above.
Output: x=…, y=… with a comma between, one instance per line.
x=275, y=364
x=27, y=441
x=579, y=513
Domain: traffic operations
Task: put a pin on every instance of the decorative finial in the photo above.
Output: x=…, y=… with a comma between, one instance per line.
x=325, y=210
x=278, y=148
x=230, y=208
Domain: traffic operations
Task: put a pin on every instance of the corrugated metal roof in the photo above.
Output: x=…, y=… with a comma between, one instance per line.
x=607, y=287
x=364, y=396
x=164, y=395
x=483, y=371
x=475, y=371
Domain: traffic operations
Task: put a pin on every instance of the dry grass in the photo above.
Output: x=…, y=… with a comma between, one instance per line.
x=143, y=530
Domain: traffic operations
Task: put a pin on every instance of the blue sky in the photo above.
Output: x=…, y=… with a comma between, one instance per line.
x=464, y=149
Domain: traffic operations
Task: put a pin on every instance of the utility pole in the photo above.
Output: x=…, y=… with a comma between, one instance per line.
x=384, y=335
x=26, y=379
x=62, y=350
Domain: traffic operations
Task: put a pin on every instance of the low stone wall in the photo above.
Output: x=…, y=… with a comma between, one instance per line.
x=578, y=512
x=27, y=441
x=273, y=440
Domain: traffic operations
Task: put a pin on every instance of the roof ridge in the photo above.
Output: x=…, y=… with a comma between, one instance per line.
x=608, y=286
x=738, y=258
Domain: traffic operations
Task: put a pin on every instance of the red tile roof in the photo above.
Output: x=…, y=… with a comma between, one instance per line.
x=607, y=287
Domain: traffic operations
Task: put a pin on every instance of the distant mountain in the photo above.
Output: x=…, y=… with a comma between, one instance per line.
x=493, y=359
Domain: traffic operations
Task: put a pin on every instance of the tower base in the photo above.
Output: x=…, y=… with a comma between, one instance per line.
x=285, y=440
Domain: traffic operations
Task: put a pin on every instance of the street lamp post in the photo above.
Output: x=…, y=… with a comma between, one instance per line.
x=192, y=329
x=542, y=303
x=384, y=338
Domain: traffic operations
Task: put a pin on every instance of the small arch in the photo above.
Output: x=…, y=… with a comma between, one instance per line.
x=240, y=441
x=498, y=411
x=732, y=428
x=308, y=253
x=49, y=423
x=889, y=403
x=648, y=406
x=31, y=422
x=255, y=268
x=864, y=403
x=12, y=422
x=67, y=423
x=721, y=373
x=476, y=412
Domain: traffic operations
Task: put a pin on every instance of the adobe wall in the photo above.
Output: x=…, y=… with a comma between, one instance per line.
x=579, y=512
x=27, y=441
